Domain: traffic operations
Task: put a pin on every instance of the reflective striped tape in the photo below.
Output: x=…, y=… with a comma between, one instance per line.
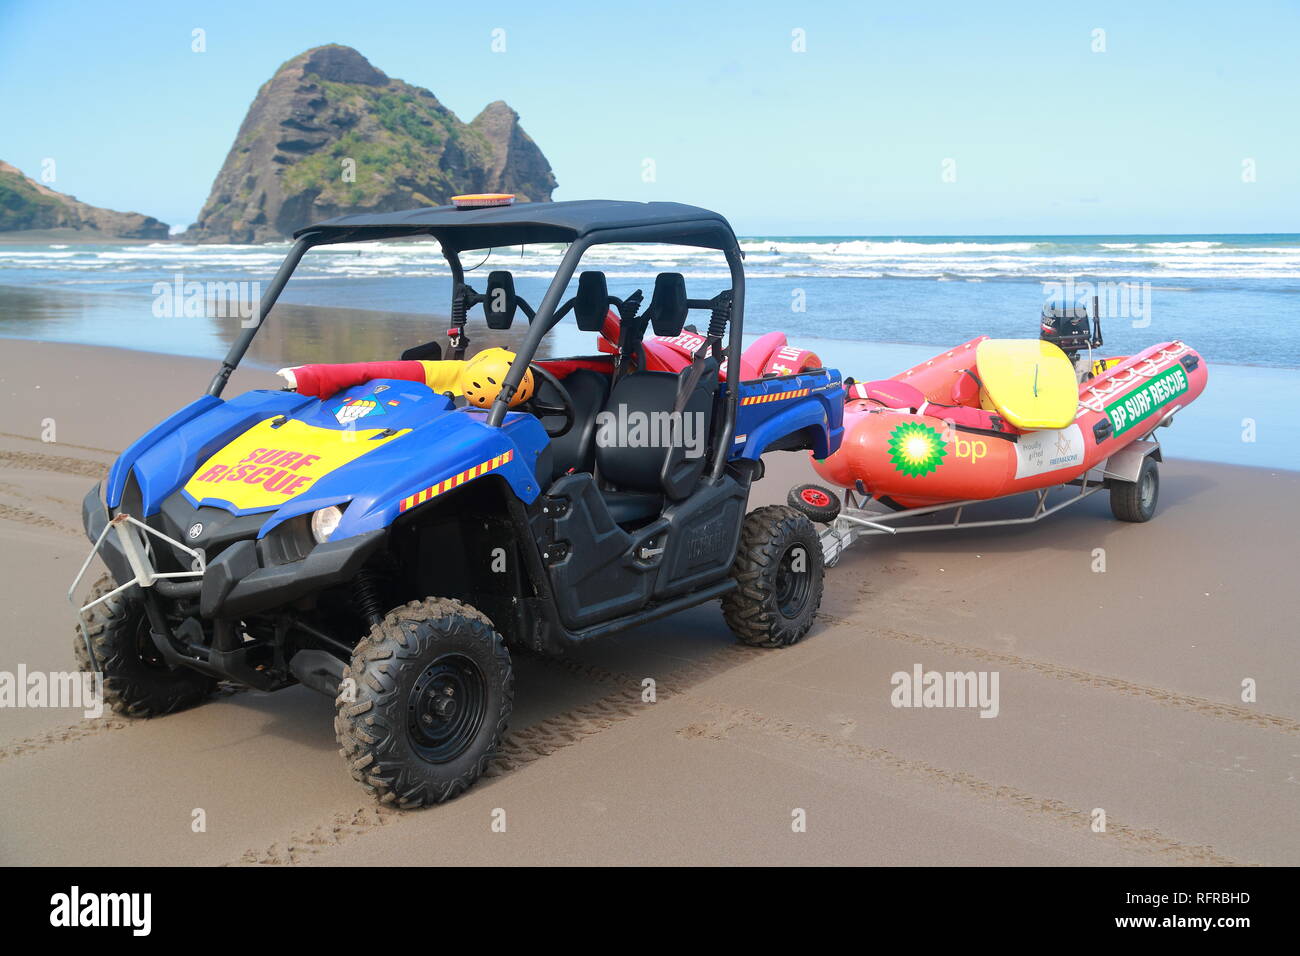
x=774, y=396
x=469, y=474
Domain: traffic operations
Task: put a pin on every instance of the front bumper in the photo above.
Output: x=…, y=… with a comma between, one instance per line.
x=236, y=582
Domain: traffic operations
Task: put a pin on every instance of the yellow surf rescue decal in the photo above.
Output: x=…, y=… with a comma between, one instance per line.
x=774, y=396
x=469, y=474
x=267, y=466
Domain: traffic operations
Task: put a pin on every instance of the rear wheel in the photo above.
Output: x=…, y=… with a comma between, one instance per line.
x=137, y=681
x=1136, y=500
x=425, y=702
x=779, y=576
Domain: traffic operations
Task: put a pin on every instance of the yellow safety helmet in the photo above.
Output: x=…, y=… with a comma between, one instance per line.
x=481, y=378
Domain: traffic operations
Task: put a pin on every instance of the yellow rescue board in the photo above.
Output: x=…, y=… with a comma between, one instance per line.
x=1030, y=382
x=265, y=467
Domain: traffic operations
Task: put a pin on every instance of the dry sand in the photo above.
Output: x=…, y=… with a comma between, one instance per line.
x=1118, y=690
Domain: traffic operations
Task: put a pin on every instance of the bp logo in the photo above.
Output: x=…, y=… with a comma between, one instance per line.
x=916, y=449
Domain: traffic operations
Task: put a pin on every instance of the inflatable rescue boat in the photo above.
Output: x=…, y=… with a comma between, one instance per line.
x=995, y=417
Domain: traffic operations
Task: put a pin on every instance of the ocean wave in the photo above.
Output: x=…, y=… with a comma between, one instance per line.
x=889, y=247
x=1231, y=259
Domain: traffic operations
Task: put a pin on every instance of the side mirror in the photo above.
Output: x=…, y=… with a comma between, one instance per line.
x=668, y=305
x=592, y=301
x=500, y=302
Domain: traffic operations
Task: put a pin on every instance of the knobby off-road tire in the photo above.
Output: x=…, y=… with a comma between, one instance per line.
x=1136, y=500
x=434, y=688
x=137, y=682
x=774, y=603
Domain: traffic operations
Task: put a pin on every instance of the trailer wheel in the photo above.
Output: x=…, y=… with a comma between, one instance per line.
x=1136, y=500
x=779, y=575
x=814, y=502
x=423, y=706
x=137, y=681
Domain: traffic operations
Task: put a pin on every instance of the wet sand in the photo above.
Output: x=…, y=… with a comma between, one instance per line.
x=66, y=236
x=1119, y=691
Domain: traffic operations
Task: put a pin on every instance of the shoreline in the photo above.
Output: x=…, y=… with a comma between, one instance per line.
x=70, y=237
x=331, y=312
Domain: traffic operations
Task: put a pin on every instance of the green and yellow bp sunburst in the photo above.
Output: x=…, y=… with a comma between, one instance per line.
x=916, y=449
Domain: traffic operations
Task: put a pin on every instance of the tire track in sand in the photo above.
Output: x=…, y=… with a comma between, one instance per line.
x=1188, y=702
x=560, y=731
x=63, y=464
x=27, y=516
x=62, y=444
x=23, y=510
x=518, y=749
x=728, y=717
x=62, y=735
x=90, y=727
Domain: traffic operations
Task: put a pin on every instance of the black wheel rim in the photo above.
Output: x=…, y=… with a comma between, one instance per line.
x=446, y=708
x=793, y=585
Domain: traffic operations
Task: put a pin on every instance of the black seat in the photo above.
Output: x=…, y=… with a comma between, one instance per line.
x=576, y=448
x=658, y=462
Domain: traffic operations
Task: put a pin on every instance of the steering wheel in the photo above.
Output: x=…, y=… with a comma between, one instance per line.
x=563, y=407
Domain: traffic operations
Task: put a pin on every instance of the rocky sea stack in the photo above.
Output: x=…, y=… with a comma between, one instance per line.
x=330, y=134
x=26, y=204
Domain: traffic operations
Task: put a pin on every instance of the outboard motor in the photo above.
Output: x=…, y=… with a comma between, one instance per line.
x=1069, y=327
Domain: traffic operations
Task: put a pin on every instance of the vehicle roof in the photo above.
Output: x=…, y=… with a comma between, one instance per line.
x=605, y=220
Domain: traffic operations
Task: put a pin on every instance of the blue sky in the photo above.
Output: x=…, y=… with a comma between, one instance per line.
x=849, y=137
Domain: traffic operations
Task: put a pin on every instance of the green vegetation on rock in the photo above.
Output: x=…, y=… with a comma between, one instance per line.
x=26, y=204
x=290, y=162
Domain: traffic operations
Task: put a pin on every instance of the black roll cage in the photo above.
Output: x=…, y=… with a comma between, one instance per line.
x=708, y=234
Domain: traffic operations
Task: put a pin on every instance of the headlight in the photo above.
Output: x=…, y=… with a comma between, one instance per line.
x=324, y=522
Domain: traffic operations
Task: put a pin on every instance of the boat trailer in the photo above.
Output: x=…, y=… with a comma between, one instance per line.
x=856, y=519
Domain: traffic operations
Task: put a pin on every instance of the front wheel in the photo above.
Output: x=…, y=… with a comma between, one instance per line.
x=424, y=704
x=779, y=576
x=1136, y=500
x=137, y=681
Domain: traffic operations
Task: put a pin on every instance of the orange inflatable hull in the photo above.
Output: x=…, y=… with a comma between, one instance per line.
x=917, y=458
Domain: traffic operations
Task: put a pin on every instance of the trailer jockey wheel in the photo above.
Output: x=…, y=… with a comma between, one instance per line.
x=814, y=502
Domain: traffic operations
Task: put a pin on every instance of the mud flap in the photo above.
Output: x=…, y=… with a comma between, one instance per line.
x=1126, y=464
